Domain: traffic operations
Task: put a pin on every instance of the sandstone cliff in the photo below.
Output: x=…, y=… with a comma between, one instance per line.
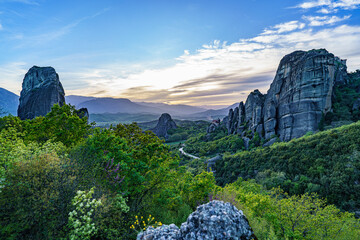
x=299, y=96
x=41, y=89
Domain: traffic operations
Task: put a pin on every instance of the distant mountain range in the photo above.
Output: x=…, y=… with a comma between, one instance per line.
x=8, y=102
x=122, y=109
x=115, y=108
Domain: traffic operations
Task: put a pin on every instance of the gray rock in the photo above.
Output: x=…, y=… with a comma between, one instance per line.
x=214, y=220
x=298, y=97
x=213, y=126
x=83, y=112
x=270, y=142
x=211, y=163
x=164, y=232
x=301, y=92
x=246, y=142
x=41, y=89
x=241, y=113
x=164, y=124
x=254, y=109
x=356, y=105
x=233, y=121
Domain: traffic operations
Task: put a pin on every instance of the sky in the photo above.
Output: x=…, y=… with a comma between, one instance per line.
x=195, y=52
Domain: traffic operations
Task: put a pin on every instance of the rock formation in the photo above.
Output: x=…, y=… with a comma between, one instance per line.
x=213, y=126
x=299, y=96
x=214, y=220
x=164, y=124
x=41, y=89
x=82, y=112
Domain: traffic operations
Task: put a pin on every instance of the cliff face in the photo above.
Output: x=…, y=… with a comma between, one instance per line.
x=164, y=124
x=297, y=99
x=41, y=89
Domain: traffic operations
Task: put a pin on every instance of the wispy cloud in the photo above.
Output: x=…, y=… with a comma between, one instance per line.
x=1, y=27
x=324, y=20
x=222, y=73
x=28, y=2
x=55, y=34
x=284, y=27
x=329, y=6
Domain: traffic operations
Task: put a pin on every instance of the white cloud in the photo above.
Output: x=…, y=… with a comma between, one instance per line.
x=324, y=20
x=1, y=27
x=284, y=27
x=330, y=5
x=326, y=11
x=217, y=73
x=220, y=73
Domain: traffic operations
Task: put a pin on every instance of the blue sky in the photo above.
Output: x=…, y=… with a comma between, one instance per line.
x=194, y=52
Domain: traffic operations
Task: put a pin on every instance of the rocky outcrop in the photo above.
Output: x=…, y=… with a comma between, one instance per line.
x=301, y=93
x=41, y=89
x=164, y=124
x=214, y=220
x=82, y=112
x=213, y=126
x=299, y=96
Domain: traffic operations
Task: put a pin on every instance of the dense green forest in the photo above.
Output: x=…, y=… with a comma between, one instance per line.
x=327, y=163
x=62, y=178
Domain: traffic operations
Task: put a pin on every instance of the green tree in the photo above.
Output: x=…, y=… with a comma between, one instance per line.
x=36, y=193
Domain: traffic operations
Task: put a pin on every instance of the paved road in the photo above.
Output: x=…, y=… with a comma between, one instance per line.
x=187, y=154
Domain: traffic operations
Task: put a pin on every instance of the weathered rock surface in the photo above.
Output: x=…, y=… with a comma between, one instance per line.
x=301, y=92
x=164, y=232
x=164, y=124
x=41, y=89
x=298, y=97
x=213, y=126
x=214, y=220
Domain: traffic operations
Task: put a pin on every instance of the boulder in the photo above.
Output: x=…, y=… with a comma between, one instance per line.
x=214, y=220
x=164, y=124
x=164, y=232
x=41, y=89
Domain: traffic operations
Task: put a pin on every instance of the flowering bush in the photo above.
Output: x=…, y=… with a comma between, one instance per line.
x=80, y=220
x=141, y=223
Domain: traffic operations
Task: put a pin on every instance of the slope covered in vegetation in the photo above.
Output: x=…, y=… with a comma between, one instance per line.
x=327, y=163
x=60, y=178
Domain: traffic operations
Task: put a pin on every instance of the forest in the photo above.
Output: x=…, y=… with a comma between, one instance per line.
x=63, y=178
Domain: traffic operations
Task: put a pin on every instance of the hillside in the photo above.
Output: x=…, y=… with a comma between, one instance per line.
x=8, y=102
x=327, y=163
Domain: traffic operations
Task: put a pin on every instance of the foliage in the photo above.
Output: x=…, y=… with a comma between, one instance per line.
x=80, y=219
x=37, y=190
x=61, y=124
x=110, y=217
x=200, y=146
x=141, y=224
x=327, y=163
x=276, y=215
x=187, y=129
x=343, y=100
